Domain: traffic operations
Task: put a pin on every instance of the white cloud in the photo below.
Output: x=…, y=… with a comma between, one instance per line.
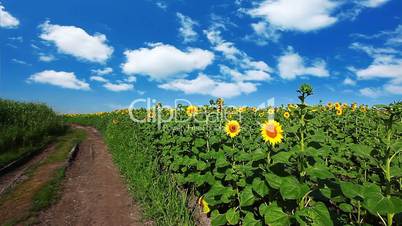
x=300, y=15
x=77, y=42
x=371, y=92
x=392, y=70
x=373, y=3
x=59, y=78
x=392, y=37
x=161, y=5
x=187, y=28
x=20, y=62
x=393, y=89
x=206, y=86
x=232, y=53
x=98, y=79
x=6, y=19
x=104, y=71
x=46, y=58
x=248, y=75
x=291, y=65
x=119, y=87
x=350, y=82
x=264, y=33
x=161, y=61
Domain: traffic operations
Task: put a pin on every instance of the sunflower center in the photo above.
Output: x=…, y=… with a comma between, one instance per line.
x=271, y=130
x=232, y=128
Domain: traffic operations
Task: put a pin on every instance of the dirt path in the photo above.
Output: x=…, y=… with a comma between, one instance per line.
x=93, y=191
x=7, y=180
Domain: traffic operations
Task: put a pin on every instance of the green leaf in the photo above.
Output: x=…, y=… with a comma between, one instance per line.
x=199, y=142
x=377, y=203
x=246, y=197
x=260, y=187
x=273, y=215
x=282, y=157
x=221, y=162
x=361, y=150
x=232, y=216
x=351, y=190
x=258, y=155
x=316, y=215
x=346, y=207
x=249, y=220
x=217, y=218
x=320, y=172
x=273, y=180
x=201, y=165
x=292, y=189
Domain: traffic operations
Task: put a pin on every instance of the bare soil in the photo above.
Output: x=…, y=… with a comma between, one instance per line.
x=93, y=191
x=10, y=178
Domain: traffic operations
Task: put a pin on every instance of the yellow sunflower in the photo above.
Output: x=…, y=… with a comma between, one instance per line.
x=232, y=128
x=330, y=105
x=354, y=106
x=286, y=115
x=337, y=105
x=204, y=205
x=150, y=114
x=271, y=111
x=272, y=132
x=339, y=112
x=242, y=109
x=191, y=110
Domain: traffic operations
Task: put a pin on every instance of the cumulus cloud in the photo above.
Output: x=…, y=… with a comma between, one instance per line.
x=77, y=42
x=349, y=82
x=291, y=65
x=118, y=87
x=62, y=79
x=232, y=53
x=300, y=15
x=6, y=19
x=186, y=29
x=98, y=79
x=371, y=92
x=46, y=58
x=392, y=70
x=373, y=3
x=104, y=71
x=248, y=75
x=386, y=66
x=204, y=85
x=161, y=61
x=263, y=33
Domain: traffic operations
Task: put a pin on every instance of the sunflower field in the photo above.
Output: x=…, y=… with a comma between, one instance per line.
x=25, y=128
x=300, y=164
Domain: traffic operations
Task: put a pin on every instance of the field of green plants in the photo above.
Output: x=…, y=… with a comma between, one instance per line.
x=25, y=127
x=332, y=164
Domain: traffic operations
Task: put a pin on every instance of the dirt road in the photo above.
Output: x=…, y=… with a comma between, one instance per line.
x=93, y=191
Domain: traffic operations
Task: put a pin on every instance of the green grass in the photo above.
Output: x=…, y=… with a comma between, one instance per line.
x=49, y=193
x=153, y=189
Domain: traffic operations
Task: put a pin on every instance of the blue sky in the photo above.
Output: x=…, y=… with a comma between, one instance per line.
x=80, y=56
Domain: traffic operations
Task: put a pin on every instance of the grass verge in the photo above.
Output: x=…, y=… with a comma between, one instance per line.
x=153, y=189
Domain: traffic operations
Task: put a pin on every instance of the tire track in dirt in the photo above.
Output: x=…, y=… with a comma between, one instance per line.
x=93, y=190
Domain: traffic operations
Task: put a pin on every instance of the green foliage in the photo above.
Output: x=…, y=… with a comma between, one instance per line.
x=25, y=127
x=331, y=169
